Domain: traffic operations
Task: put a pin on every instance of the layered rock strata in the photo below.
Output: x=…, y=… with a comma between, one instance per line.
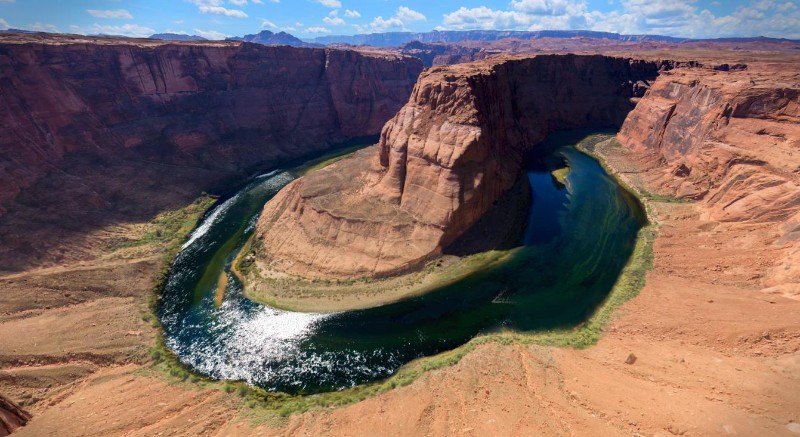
x=218, y=106
x=442, y=163
x=729, y=140
x=98, y=131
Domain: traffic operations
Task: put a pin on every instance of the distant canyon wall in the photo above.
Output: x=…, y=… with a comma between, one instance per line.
x=223, y=107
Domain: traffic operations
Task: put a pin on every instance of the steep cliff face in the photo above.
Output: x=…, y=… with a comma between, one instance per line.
x=442, y=162
x=730, y=141
x=223, y=107
x=103, y=131
x=725, y=139
x=444, y=54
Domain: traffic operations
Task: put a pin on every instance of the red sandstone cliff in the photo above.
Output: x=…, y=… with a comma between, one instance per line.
x=731, y=141
x=217, y=106
x=100, y=130
x=442, y=162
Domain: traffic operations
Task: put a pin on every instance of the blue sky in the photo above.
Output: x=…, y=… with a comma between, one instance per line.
x=308, y=18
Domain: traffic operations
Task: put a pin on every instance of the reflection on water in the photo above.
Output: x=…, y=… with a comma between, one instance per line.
x=578, y=239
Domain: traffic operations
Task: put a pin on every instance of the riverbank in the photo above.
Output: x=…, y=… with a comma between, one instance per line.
x=292, y=293
x=328, y=296
x=500, y=230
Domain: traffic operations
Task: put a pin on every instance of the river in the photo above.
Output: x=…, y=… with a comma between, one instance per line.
x=579, y=236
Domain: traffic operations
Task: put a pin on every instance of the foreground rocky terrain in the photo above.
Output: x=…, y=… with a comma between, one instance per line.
x=715, y=331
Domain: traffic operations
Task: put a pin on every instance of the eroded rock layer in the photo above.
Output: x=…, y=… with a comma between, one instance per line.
x=12, y=417
x=731, y=142
x=104, y=130
x=442, y=162
x=216, y=106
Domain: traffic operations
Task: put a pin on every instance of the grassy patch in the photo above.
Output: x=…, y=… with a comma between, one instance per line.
x=323, y=295
x=561, y=175
x=328, y=159
x=171, y=228
x=653, y=197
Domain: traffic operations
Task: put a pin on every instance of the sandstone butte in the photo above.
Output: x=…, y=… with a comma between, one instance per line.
x=441, y=164
x=153, y=114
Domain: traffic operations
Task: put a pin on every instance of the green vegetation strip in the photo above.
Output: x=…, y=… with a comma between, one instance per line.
x=270, y=407
x=630, y=282
x=561, y=175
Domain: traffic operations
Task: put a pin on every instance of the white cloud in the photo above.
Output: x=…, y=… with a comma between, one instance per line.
x=267, y=24
x=317, y=30
x=6, y=1
x=333, y=4
x=680, y=18
x=333, y=19
x=41, y=27
x=211, y=34
x=405, y=14
x=219, y=10
x=120, y=14
x=352, y=13
x=238, y=2
x=298, y=24
x=4, y=24
x=485, y=18
x=543, y=7
x=396, y=22
x=379, y=24
x=132, y=30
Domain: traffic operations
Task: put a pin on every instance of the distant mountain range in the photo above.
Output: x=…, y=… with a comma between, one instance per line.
x=281, y=38
x=17, y=31
x=394, y=39
x=177, y=37
x=398, y=39
x=391, y=39
x=264, y=37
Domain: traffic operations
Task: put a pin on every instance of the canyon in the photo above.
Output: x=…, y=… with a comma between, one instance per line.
x=715, y=330
x=109, y=124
